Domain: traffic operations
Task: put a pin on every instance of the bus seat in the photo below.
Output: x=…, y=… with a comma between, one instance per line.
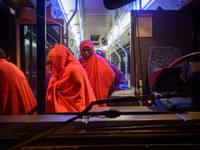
x=162, y=57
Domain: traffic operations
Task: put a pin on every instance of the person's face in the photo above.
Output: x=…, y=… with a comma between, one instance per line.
x=86, y=52
x=49, y=56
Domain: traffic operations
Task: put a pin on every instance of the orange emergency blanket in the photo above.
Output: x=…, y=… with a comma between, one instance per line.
x=69, y=89
x=16, y=96
x=99, y=72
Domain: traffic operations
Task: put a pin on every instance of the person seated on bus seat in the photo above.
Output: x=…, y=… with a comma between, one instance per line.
x=100, y=74
x=119, y=82
x=16, y=96
x=69, y=89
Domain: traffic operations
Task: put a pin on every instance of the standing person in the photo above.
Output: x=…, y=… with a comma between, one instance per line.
x=104, y=55
x=119, y=82
x=16, y=96
x=99, y=72
x=69, y=89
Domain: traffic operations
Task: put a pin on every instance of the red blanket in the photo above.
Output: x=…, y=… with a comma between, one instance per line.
x=69, y=89
x=99, y=72
x=16, y=96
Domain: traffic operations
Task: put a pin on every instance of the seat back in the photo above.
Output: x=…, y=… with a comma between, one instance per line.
x=162, y=57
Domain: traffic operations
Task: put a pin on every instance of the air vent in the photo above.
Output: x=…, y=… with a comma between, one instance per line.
x=95, y=43
x=94, y=37
x=104, y=41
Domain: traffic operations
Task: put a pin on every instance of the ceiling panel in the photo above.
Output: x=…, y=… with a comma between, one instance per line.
x=97, y=19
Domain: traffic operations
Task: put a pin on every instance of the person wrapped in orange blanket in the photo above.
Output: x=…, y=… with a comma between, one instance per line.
x=16, y=96
x=69, y=89
x=99, y=72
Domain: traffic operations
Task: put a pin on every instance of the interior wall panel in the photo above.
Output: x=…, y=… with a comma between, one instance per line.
x=169, y=28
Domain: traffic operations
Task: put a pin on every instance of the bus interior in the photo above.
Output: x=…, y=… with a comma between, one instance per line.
x=155, y=43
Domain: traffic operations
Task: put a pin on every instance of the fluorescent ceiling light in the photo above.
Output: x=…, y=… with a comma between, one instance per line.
x=144, y=4
x=147, y=3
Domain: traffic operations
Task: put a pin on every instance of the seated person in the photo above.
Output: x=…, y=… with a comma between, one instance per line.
x=69, y=89
x=16, y=96
x=99, y=72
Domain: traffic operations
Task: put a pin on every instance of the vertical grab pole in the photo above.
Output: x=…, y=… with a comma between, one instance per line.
x=67, y=33
x=122, y=48
x=81, y=20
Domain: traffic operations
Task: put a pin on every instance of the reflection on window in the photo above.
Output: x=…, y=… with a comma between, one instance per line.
x=30, y=50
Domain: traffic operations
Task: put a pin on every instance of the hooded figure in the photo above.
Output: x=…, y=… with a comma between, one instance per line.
x=104, y=56
x=16, y=96
x=99, y=72
x=119, y=76
x=69, y=89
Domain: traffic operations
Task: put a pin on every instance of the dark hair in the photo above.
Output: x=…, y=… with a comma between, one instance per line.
x=2, y=54
x=51, y=47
